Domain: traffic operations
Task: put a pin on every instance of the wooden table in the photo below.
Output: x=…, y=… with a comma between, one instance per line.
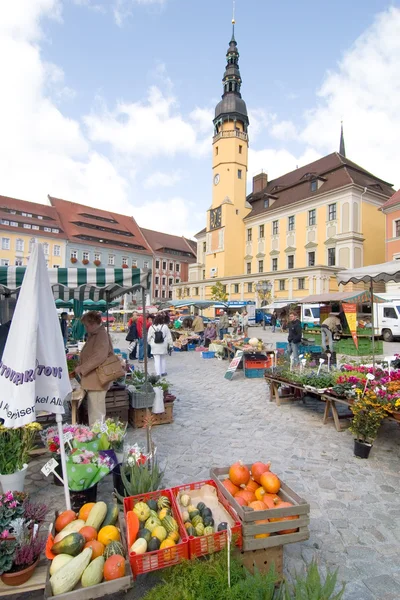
x=274, y=385
x=330, y=406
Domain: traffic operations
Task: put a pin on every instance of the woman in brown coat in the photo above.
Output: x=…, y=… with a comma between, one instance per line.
x=94, y=353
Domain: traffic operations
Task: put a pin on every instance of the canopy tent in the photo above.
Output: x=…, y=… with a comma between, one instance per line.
x=196, y=303
x=353, y=297
x=276, y=305
x=101, y=305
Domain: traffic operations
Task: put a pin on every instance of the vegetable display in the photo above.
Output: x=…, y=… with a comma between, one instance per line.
x=151, y=526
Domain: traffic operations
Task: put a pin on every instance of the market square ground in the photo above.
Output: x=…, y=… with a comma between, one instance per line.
x=355, y=510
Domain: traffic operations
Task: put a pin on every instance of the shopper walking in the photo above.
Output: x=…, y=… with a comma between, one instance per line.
x=133, y=336
x=274, y=318
x=94, y=353
x=159, y=338
x=295, y=335
x=223, y=325
x=245, y=323
x=142, y=330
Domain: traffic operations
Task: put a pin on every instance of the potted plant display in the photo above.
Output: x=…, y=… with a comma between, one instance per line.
x=368, y=414
x=15, y=446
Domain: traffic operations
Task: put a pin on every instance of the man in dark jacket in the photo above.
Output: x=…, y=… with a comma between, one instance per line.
x=295, y=335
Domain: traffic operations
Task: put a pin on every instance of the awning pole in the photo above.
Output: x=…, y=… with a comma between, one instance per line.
x=146, y=382
x=108, y=325
x=373, y=324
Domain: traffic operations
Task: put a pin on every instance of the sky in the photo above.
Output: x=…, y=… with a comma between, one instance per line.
x=109, y=103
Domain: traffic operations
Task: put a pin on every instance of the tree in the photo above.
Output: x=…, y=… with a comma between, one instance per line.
x=218, y=292
x=264, y=298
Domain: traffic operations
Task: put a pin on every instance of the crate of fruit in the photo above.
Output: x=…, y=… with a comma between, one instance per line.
x=206, y=515
x=271, y=513
x=88, y=554
x=163, y=541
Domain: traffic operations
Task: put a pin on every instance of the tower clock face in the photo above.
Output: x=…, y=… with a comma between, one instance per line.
x=215, y=218
x=216, y=179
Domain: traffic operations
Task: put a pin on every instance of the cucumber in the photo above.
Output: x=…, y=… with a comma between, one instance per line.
x=112, y=515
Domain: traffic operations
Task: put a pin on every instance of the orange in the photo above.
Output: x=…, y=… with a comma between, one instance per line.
x=97, y=547
x=108, y=534
x=85, y=510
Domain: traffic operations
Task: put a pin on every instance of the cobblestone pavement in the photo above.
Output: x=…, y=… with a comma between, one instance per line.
x=355, y=511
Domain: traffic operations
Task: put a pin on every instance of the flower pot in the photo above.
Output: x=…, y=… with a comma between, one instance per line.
x=396, y=415
x=117, y=480
x=362, y=449
x=14, y=482
x=19, y=577
x=78, y=499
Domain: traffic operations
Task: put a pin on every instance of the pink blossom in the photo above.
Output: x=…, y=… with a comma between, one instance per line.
x=4, y=535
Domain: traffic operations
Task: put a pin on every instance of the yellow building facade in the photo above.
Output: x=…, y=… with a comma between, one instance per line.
x=296, y=231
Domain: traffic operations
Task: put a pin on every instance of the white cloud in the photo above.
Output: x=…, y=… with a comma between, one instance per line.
x=172, y=216
x=284, y=130
x=277, y=162
x=160, y=179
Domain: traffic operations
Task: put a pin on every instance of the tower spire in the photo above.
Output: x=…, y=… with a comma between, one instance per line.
x=233, y=21
x=342, y=147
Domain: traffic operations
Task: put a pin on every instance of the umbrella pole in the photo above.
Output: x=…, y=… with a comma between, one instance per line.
x=144, y=334
x=373, y=323
x=108, y=325
x=63, y=461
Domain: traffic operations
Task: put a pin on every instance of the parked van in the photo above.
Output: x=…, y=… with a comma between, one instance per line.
x=310, y=314
x=387, y=320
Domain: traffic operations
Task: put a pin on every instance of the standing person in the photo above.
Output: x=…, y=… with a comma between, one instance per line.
x=198, y=326
x=64, y=327
x=274, y=318
x=159, y=338
x=94, y=353
x=210, y=334
x=235, y=323
x=142, y=330
x=223, y=325
x=330, y=326
x=295, y=335
x=133, y=336
x=245, y=323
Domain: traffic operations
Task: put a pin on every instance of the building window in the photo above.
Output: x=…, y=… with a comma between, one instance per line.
x=170, y=295
x=55, y=231
x=73, y=254
x=248, y=268
x=301, y=283
x=155, y=293
x=290, y=261
x=239, y=173
x=224, y=289
x=56, y=266
x=34, y=227
x=312, y=217
x=314, y=185
x=85, y=255
x=170, y=281
x=134, y=263
x=13, y=224
x=216, y=150
x=178, y=280
x=97, y=256
x=266, y=203
x=204, y=246
x=249, y=235
x=275, y=227
x=261, y=231
x=204, y=275
x=125, y=260
x=56, y=250
x=40, y=217
x=282, y=285
x=19, y=245
x=46, y=249
x=291, y=223
x=157, y=264
x=18, y=262
x=236, y=288
x=5, y=262
x=274, y=264
x=146, y=264
x=332, y=212
x=196, y=291
x=111, y=260
x=171, y=266
x=47, y=229
x=5, y=222
x=163, y=294
x=27, y=226
x=261, y=266
x=397, y=223
x=311, y=259
x=331, y=257
x=32, y=241
x=240, y=149
x=177, y=268
x=249, y=288
x=164, y=280
x=156, y=280
x=164, y=265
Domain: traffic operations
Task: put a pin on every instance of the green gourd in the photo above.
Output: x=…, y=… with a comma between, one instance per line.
x=114, y=548
x=72, y=544
x=93, y=574
x=70, y=574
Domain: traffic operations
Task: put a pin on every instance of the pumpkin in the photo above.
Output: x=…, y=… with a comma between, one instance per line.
x=85, y=510
x=64, y=519
x=231, y=487
x=270, y=482
x=174, y=536
x=257, y=469
x=168, y=543
x=114, y=567
x=239, y=474
x=290, y=518
x=97, y=548
x=252, y=485
x=241, y=501
x=257, y=505
x=271, y=500
x=113, y=548
x=262, y=535
x=247, y=495
x=89, y=533
x=259, y=493
x=108, y=534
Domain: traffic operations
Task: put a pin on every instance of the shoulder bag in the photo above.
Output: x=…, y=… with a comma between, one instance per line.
x=110, y=370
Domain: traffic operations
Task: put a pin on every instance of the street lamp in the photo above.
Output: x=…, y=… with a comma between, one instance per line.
x=264, y=288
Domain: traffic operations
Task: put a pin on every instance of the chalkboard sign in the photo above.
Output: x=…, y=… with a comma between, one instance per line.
x=234, y=365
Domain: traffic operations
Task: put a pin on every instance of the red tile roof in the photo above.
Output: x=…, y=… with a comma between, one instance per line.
x=8, y=204
x=163, y=241
x=80, y=220
x=395, y=199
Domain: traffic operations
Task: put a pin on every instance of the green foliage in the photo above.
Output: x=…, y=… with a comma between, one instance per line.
x=7, y=552
x=310, y=586
x=15, y=446
x=368, y=416
x=140, y=478
x=218, y=292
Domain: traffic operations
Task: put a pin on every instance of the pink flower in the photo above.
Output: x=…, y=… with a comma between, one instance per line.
x=4, y=535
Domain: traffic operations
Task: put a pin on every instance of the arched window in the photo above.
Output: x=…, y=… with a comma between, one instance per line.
x=31, y=242
x=46, y=248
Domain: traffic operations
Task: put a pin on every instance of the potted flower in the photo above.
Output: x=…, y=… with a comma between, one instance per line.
x=85, y=469
x=97, y=263
x=19, y=557
x=368, y=413
x=74, y=260
x=15, y=446
x=139, y=474
x=85, y=261
x=114, y=432
x=11, y=508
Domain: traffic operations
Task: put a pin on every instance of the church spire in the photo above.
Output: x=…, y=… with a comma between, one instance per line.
x=342, y=148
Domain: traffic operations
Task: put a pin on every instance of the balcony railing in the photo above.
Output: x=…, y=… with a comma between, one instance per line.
x=231, y=133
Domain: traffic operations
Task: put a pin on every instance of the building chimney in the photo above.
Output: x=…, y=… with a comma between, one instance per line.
x=260, y=182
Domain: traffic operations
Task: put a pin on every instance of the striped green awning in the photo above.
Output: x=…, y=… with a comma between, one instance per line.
x=82, y=284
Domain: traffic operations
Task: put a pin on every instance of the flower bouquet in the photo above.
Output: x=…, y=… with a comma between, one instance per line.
x=112, y=433
x=51, y=440
x=86, y=439
x=86, y=468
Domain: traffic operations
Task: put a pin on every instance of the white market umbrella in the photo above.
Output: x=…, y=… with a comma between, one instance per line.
x=33, y=371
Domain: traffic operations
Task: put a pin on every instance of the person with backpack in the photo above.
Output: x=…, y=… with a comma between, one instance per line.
x=159, y=338
x=133, y=336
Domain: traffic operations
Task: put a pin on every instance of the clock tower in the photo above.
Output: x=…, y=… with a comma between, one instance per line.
x=225, y=225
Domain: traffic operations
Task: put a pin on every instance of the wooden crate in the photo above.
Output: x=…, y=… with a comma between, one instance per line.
x=102, y=589
x=247, y=516
x=137, y=416
x=262, y=559
x=117, y=398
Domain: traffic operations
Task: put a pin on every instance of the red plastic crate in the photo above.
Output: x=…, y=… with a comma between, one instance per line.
x=259, y=364
x=208, y=544
x=159, y=559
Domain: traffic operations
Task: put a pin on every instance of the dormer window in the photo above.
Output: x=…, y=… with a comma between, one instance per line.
x=314, y=185
x=266, y=203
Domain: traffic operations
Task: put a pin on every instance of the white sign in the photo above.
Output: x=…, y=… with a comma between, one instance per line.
x=49, y=467
x=68, y=436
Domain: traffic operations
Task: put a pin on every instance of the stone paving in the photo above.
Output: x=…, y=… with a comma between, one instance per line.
x=355, y=511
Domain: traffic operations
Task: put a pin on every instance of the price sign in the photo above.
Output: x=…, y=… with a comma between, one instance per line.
x=49, y=467
x=68, y=437
x=234, y=364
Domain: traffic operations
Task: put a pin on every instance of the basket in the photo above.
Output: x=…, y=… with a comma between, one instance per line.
x=191, y=347
x=159, y=559
x=208, y=544
x=208, y=354
x=137, y=416
x=139, y=398
x=310, y=349
x=258, y=364
x=254, y=373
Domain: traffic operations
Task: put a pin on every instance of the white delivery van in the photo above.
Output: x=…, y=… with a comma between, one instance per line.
x=387, y=320
x=310, y=314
